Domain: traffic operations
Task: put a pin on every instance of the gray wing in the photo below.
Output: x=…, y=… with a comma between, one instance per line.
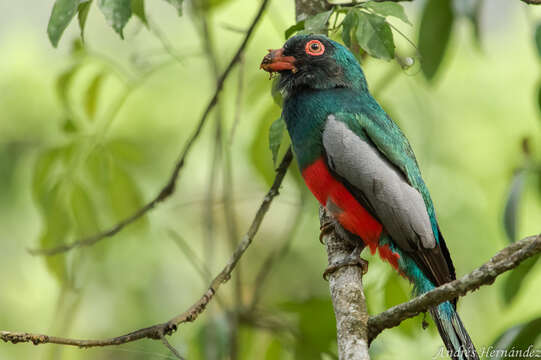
x=388, y=195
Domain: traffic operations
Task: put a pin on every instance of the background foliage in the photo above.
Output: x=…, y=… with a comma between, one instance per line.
x=90, y=131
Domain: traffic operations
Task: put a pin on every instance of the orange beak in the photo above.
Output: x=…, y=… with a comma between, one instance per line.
x=276, y=61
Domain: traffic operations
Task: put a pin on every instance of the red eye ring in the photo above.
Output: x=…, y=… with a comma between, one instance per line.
x=314, y=48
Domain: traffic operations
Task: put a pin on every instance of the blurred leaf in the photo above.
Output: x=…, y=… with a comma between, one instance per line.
x=274, y=350
x=515, y=279
x=293, y=29
x=177, y=4
x=473, y=14
x=92, y=94
x=349, y=25
x=117, y=13
x=436, y=24
x=259, y=151
x=83, y=210
x=56, y=229
x=538, y=39
x=517, y=338
x=138, y=9
x=83, y=9
x=276, y=134
x=275, y=92
x=213, y=339
x=317, y=327
x=318, y=22
x=69, y=126
x=388, y=8
x=124, y=194
x=125, y=150
x=511, y=205
x=539, y=99
x=375, y=36
x=63, y=82
x=396, y=294
x=43, y=172
x=61, y=15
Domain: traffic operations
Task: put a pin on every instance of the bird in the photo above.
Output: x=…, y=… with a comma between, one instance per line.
x=360, y=166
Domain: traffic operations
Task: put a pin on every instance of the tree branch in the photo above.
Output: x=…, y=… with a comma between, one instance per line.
x=157, y=332
x=169, y=187
x=507, y=259
x=348, y=298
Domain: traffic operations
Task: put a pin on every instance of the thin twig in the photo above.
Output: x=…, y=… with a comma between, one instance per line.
x=171, y=348
x=238, y=102
x=169, y=188
x=275, y=256
x=157, y=332
x=507, y=259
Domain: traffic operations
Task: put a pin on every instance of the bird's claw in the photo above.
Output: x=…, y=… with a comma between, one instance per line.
x=349, y=261
x=325, y=229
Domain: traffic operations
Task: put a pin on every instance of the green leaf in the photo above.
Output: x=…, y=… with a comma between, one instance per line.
x=276, y=93
x=436, y=24
x=69, y=126
x=44, y=169
x=538, y=39
x=539, y=99
x=472, y=12
x=138, y=9
x=375, y=36
x=349, y=25
x=388, y=8
x=61, y=15
x=318, y=332
x=84, y=8
x=117, y=13
x=514, y=281
x=274, y=350
x=293, y=29
x=318, y=22
x=517, y=338
x=511, y=205
x=177, y=4
x=395, y=293
x=92, y=94
x=63, y=82
x=57, y=227
x=124, y=194
x=276, y=134
x=259, y=151
x=83, y=210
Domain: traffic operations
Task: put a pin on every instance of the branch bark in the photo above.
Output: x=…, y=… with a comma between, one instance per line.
x=348, y=298
x=159, y=331
x=507, y=259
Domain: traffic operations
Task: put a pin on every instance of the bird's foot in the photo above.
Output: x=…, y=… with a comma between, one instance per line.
x=352, y=260
x=325, y=229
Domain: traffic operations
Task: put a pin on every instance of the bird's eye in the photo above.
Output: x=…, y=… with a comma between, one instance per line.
x=314, y=48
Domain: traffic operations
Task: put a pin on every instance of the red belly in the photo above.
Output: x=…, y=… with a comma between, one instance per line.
x=351, y=215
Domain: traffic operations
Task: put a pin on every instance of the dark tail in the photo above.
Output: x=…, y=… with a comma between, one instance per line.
x=454, y=335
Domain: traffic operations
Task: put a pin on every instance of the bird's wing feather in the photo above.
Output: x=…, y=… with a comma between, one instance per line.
x=385, y=189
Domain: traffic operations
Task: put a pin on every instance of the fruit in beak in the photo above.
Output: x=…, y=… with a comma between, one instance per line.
x=275, y=61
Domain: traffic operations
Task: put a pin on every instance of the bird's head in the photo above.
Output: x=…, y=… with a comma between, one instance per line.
x=314, y=62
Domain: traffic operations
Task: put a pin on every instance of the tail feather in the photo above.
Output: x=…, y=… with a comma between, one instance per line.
x=454, y=335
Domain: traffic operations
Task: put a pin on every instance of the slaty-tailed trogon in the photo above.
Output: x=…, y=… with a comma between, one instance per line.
x=361, y=168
